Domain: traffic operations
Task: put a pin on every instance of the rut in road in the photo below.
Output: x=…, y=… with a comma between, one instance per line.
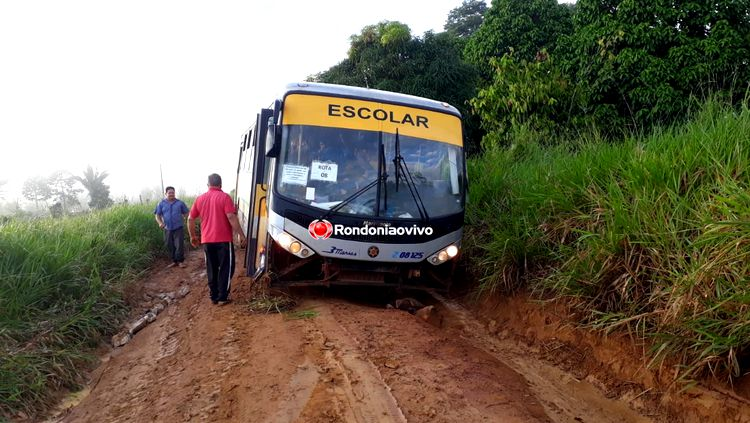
x=348, y=363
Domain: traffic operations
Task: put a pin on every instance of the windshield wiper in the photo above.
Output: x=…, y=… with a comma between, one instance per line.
x=380, y=180
x=400, y=167
x=382, y=175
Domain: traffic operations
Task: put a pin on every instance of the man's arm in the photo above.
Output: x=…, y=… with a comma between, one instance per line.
x=194, y=241
x=237, y=228
x=194, y=214
x=160, y=220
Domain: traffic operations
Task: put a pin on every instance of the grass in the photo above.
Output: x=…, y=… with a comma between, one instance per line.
x=651, y=235
x=61, y=283
x=301, y=314
x=266, y=303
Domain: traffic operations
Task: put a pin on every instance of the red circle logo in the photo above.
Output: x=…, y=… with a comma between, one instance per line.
x=320, y=229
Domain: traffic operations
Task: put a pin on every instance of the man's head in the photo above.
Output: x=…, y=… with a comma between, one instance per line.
x=169, y=192
x=214, y=180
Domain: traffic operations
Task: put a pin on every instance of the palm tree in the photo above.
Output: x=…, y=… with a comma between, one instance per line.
x=93, y=181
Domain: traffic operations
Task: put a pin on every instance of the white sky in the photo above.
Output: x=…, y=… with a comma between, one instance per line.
x=126, y=86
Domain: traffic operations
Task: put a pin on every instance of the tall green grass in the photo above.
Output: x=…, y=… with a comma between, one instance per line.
x=651, y=235
x=61, y=284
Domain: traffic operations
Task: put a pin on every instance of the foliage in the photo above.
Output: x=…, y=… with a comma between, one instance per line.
x=522, y=26
x=93, y=181
x=627, y=65
x=644, y=233
x=61, y=285
x=466, y=19
x=534, y=96
x=376, y=57
x=58, y=186
x=36, y=189
x=649, y=235
x=277, y=303
x=13, y=210
x=639, y=62
x=56, y=210
x=301, y=314
x=386, y=57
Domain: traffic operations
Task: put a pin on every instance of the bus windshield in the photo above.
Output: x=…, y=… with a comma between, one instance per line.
x=322, y=166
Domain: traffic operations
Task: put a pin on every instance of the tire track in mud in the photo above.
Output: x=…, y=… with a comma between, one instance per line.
x=301, y=387
x=353, y=383
x=433, y=377
x=460, y=372
x=206, y=397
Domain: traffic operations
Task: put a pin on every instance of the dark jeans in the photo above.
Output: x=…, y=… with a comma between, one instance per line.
x=219, y=268
x=175, y=241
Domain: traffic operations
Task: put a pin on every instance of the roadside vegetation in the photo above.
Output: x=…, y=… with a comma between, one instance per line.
x=609, y=147
x=651, y=235
x=61, y=291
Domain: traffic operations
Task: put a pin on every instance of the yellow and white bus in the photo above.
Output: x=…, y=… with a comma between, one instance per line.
x=347, y=185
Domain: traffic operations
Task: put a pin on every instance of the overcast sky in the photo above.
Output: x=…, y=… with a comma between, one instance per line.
x=126, y=86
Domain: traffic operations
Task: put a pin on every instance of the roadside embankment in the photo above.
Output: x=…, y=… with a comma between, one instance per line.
x=649, y=237
x=61, y=288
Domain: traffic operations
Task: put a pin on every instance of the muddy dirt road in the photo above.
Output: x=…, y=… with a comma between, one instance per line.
x=339, y=360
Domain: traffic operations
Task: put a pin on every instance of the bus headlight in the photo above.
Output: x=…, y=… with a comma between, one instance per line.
x=292, y=245
x=443, y=255
x=284, y=240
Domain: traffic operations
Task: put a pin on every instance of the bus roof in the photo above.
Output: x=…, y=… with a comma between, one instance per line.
x=370, y=94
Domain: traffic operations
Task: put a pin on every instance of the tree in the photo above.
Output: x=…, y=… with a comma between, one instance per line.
x=466, y=19
x=530, y=96
x=378, y=57
x=63, y=190
x=36, y=189
x=522, y=26
x=93, y=181
x=639, y=62
x=386, y=57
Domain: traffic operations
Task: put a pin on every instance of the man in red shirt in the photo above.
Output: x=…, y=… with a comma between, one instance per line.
x=219, y=222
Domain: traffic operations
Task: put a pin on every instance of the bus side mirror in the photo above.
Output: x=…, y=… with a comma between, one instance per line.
x=273, y=139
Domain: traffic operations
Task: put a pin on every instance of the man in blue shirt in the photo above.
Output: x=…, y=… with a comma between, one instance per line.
x=170, y=213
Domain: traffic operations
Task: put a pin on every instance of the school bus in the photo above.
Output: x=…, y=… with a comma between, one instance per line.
x=352, y=186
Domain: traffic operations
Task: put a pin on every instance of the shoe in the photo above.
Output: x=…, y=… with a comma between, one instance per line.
x=224, y=302
x=171, y=265
x=182, y=265
x=214, y=302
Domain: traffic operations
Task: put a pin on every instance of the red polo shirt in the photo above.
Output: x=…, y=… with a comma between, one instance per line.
x=212, y=208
